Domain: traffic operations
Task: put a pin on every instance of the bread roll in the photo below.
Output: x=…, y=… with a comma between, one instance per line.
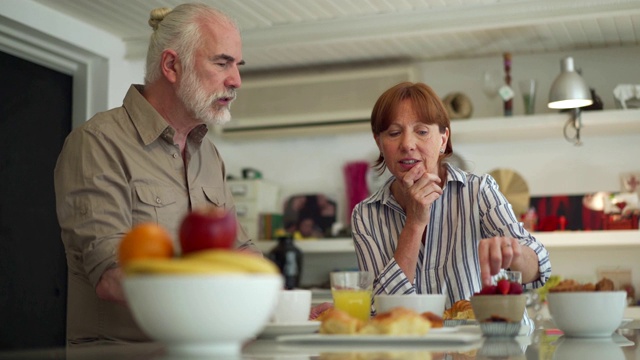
x=336, y=321
x=398, y=321
x=435, y=320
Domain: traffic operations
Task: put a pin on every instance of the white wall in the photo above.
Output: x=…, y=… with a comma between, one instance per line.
x=550, y=166
x=314, y=164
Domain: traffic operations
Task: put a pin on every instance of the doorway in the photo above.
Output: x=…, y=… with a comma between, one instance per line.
x=35, y=118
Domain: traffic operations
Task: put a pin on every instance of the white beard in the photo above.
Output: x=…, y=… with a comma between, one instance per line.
x=204, y=106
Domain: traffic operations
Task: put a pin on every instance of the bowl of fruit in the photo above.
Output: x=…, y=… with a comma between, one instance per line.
x=210, y=298
x=586, y=309
x=499, y=308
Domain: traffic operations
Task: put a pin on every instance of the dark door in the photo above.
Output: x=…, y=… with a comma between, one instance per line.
x=35, y=118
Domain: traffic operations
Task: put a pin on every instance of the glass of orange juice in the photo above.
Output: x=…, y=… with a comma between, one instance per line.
x=351, y=291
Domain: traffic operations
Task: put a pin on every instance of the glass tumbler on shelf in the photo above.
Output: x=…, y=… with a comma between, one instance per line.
x=351, y=291
x=528, y=90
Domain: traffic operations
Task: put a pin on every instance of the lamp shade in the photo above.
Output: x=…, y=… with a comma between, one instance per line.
x=569, y=90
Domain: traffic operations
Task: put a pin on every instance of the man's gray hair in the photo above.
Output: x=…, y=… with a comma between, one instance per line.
x=178, y=29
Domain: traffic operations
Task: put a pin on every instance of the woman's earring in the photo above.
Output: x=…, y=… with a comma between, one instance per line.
x=441, y=151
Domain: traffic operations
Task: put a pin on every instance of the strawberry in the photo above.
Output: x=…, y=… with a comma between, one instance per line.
x=503, y=287
x=515, y=289
x=489, y=290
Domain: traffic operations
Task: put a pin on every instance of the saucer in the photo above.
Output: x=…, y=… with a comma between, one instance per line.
x=272, y=330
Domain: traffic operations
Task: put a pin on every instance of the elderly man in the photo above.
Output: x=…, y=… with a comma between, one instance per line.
x=146, y=161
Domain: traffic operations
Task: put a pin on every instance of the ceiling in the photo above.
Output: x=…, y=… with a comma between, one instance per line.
x=285, y=34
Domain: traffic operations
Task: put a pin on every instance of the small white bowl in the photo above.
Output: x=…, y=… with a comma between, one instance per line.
x=587, y=314
x=202, y=314
x=419, y=303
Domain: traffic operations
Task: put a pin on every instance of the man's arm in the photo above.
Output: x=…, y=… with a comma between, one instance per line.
x=109, y=287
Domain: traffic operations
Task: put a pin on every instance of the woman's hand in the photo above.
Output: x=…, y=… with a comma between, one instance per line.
x=319, y=309
x=418, y=190
x=506, y=253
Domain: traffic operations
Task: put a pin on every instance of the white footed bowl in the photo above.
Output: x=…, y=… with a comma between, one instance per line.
x=417, y=302
x=202, y=314
x=587, y=314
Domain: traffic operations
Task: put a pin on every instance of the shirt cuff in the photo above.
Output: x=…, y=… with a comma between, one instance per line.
x=392, y=280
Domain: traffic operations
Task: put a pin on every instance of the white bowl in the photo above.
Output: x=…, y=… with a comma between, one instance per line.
x=587, y=314
x=194, y=314
x=419, y=303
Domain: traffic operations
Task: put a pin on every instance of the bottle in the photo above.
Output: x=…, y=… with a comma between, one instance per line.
x=289, y=259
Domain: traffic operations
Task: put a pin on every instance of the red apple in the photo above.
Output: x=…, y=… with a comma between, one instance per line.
x=207, y=228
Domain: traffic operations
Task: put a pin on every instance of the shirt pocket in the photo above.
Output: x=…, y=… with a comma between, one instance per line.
x=155, y=204
x=215, y=195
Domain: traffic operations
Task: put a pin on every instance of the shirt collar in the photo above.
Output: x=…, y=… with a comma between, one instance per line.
x=149, y=123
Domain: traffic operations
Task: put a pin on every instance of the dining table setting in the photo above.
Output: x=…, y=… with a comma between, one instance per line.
x=544, y=343
x=579, y=321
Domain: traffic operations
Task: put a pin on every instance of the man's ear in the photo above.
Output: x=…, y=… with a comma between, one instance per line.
x=170, y=65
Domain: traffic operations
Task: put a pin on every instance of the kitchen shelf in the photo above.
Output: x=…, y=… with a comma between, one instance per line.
x=552, y=240
x=544, y=126
x=333, y=245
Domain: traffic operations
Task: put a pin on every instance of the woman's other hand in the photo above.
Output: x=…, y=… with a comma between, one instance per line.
x=506, y=253
x=319, y=309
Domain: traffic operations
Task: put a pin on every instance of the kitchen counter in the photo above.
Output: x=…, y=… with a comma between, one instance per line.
x=542, y=344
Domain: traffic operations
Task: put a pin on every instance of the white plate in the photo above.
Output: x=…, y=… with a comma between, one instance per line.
x=441, y=330
x=433, y=337
x=273, y=330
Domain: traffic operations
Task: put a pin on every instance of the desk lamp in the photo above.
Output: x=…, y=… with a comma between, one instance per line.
x=570, y=91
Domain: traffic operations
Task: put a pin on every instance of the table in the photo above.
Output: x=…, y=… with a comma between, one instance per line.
x=542, y=344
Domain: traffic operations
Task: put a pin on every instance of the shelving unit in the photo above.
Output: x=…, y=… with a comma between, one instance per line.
x=544, y=126
x=560, y=239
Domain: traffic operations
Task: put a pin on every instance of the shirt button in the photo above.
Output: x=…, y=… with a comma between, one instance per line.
x=158, y=200
x=175, y=155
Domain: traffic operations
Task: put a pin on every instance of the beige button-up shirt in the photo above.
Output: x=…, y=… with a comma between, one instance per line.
x=119, y=169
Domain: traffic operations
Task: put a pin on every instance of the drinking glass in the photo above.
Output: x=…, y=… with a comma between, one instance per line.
x=351, y=291
x=528, y=90
x=513, y=276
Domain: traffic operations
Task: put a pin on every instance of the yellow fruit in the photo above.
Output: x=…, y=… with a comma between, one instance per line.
x=244, y=261
x=175, y=266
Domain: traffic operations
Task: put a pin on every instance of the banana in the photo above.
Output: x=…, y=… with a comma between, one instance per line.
x=176, y=266
x=238, y=259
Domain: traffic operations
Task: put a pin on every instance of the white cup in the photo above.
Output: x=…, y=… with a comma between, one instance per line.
x=293, y=307
x=419, y=303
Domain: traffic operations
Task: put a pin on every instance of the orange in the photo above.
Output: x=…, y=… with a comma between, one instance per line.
x=145, y=241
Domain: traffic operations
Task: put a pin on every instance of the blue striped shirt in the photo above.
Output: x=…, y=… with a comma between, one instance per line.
x=470, y=209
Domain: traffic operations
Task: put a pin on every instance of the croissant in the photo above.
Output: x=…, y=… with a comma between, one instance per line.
x=336, y=321
x=460, y=310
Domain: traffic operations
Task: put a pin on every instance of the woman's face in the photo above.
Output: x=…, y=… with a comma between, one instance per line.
x=408, y=142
